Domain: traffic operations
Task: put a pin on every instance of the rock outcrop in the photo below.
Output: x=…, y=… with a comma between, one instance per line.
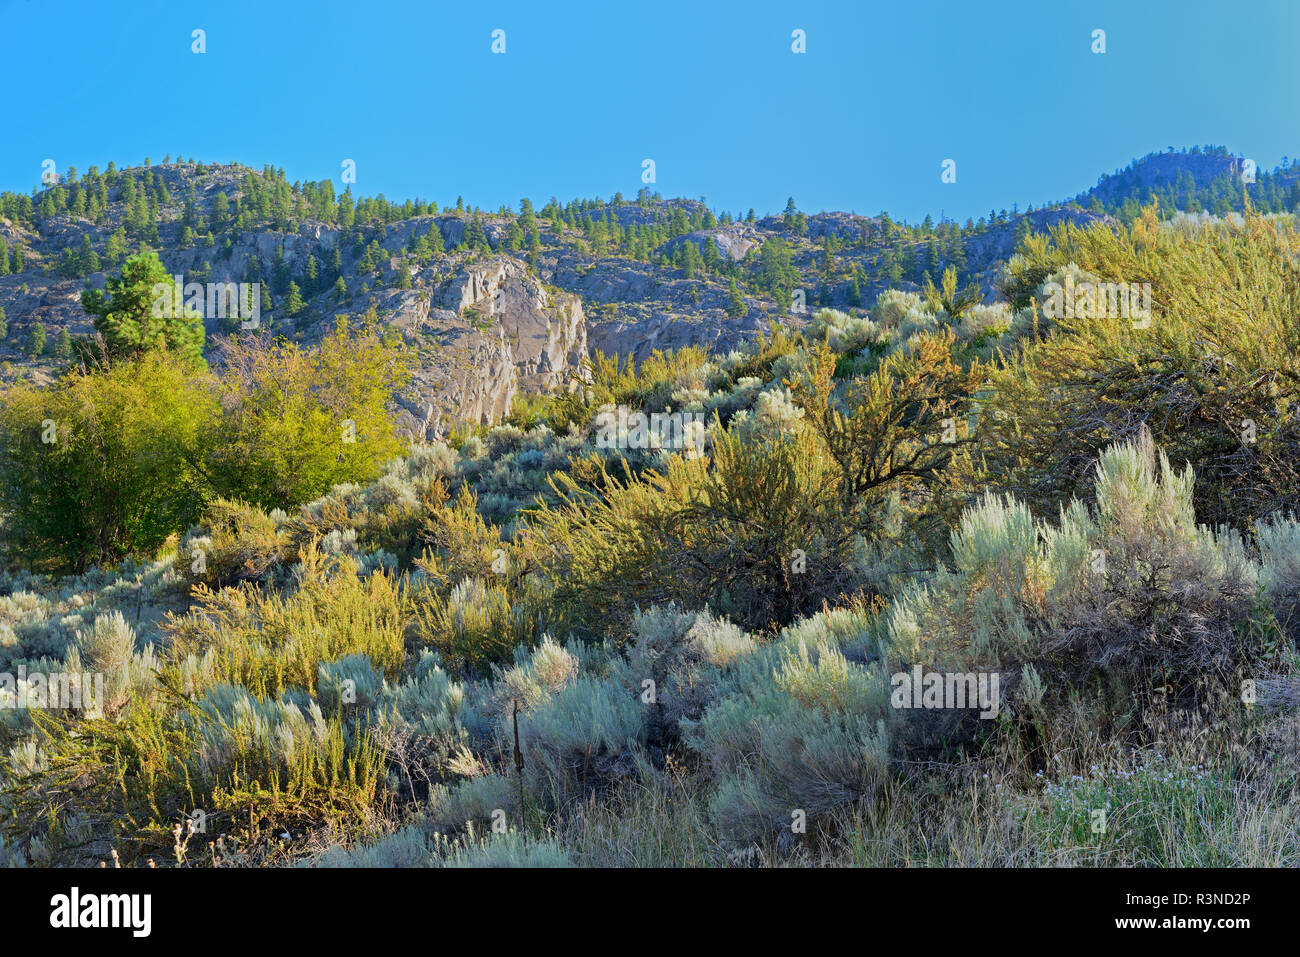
x=732, y=242
x=491, y=330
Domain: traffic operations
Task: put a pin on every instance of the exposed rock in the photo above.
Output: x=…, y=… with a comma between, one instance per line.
x=489, y=331
x=733, y=242
x=638, y=338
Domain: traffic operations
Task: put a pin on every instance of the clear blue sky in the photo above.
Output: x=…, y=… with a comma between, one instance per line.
x=710, y=90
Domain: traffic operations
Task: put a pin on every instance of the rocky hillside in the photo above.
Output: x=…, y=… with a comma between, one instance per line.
x=494, y=303
x=1201, y=178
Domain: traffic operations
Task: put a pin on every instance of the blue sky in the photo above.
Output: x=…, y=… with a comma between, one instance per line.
x=709, y=90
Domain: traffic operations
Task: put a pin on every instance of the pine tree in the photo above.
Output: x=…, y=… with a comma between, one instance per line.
x=137, y=218
x=63, y=345
x=87, y=258
x=293, y=303
x=127, y=312
x=931, y=257
x=220, y=215
x=893, y=268
x=35, y=343
x=340, y=289
x=712, y=258
x=514, y=237
x=476, y=237
x=115, y=248
x=736, y=306
x=4, y=258
x=311, y=281
x=68, y=267
x=776, y=273
x=689, y=260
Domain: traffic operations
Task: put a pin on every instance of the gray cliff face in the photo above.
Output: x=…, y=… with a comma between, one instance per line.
x=492, y=329
x=544, y=327
x=638, y=338
x=732, y=242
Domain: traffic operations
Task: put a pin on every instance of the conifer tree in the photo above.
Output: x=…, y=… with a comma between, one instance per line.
x=35, y=343
x=87, y=258
x=311, y=281
x=115, y=247
x=736, y=306
x=293, y=302
x=134, y=317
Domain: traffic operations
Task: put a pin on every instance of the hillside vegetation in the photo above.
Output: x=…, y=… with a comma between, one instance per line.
x=527, y=644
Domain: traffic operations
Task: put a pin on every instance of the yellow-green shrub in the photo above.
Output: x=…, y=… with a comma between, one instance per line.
x=269, y=642
x=104, y=463
x=756, y=532
x=1215, y=374
x=297, y=422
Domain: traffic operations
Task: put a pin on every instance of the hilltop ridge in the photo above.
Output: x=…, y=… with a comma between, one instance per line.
x=496, y=302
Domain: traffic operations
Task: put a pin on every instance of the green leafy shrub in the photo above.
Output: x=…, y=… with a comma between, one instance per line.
x=297, y=422
x=103, y=464
x=111, y=461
